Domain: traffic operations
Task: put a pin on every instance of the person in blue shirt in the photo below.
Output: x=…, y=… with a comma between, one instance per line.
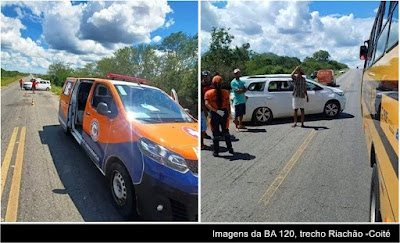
x=239, y=99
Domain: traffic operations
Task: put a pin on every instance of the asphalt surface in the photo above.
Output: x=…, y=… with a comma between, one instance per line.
x=285, y=174
x=58, y=181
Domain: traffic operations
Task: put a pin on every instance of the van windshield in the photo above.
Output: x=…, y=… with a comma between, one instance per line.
x=150, y=105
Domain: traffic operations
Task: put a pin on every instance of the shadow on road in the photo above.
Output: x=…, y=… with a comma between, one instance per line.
x=222, y=139
x=83, y=182
x=253, y=130
x=317, y=128
x=238, y=156
x=308, y=118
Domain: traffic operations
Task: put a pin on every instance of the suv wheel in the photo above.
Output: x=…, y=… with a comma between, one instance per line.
x=262, y=115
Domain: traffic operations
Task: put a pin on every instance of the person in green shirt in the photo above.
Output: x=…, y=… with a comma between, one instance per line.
x=239, y=99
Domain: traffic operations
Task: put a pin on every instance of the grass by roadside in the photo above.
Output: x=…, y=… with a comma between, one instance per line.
x=56, y=89
x=8, y=80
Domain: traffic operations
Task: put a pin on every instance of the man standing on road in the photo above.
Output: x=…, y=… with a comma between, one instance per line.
x=205, y=86
x=239, y=100
x=300, y=95
x=33, y=85
x=217, y=101
x=20, y=83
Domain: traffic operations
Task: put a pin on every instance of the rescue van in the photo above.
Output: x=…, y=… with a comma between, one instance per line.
x=143, y=141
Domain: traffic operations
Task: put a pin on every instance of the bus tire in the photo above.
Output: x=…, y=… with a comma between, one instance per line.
x=374, y=204
x=122, y=190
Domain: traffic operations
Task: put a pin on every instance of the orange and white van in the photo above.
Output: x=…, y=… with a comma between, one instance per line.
x=141, y=140
x=326, y=77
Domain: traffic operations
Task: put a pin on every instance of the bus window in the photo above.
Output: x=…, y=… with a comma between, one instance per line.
x=381, y=44
x=394, y=29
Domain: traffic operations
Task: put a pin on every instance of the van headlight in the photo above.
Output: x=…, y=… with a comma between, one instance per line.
x=162, y=155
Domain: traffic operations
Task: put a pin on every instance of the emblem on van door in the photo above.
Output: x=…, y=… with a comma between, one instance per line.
x=94, y=130
x=191, y=132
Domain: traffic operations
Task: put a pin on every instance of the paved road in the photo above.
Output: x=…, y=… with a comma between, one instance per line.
x=285, y=174
x=50, y=178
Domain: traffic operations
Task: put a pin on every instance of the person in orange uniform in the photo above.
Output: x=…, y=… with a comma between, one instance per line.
x=217, y=101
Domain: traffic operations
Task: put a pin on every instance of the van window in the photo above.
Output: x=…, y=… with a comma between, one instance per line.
x=280, y=86
x=258, y=86
x=150, y=105
x=103, y=94
x=67, y=88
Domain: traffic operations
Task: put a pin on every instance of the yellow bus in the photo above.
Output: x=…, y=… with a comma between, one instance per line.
x=380, y=107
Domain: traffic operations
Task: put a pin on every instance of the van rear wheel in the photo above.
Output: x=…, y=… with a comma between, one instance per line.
x=47, y=89
x=122, y=190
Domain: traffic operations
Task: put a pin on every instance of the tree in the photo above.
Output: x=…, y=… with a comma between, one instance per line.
x=59, y=72
x=321, y=56
x=222, y=59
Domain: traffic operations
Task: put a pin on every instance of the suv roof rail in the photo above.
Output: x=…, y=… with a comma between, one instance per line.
x=126, y=78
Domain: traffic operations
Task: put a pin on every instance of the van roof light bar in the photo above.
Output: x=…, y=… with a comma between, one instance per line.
x=126, y=78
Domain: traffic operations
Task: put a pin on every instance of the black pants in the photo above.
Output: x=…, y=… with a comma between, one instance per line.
x=219, y=128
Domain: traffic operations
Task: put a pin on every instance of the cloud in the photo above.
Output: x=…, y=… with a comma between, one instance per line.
x=286, y=28
x=156, y=39
x=122, y=22
x=78, y=33
x=169, y=23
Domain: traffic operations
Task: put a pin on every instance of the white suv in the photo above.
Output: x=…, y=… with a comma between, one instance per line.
x=270, y=96
x=43, y=84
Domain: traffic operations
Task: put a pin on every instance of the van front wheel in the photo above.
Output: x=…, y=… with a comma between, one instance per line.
x=122, y=190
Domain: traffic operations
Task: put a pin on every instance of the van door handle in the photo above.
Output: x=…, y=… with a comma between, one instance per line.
x=87, y=114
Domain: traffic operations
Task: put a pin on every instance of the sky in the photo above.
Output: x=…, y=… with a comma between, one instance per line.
x=293, y=28
x=35, y=34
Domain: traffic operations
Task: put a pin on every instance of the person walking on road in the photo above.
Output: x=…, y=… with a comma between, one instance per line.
x=33, y=85
x=300, y=95
x=20, y=83
x=239, y=99
x=205, y=86
x=217, y=101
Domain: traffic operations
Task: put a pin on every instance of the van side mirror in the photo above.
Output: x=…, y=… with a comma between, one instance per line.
x=363, y=52
x=102, y=108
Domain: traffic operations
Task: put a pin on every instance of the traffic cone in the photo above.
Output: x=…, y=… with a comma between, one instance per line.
x=33, y=102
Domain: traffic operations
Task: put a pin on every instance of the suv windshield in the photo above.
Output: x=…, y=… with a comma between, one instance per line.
x=150, y=105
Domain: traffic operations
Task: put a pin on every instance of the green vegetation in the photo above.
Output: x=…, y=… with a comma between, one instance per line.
x=8, y=77
x=222, y=59
x=171, y=64
x=56, y=89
